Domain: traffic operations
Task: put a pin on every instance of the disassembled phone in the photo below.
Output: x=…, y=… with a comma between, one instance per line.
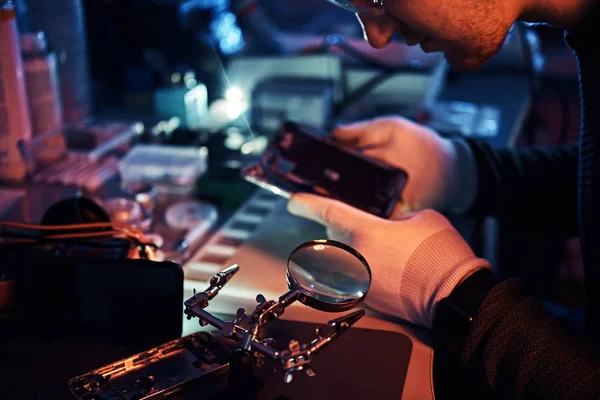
x=158, y=373
x=303, y=159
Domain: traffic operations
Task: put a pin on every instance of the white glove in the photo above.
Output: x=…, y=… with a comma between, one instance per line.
x=441, y=172
x=416, y=260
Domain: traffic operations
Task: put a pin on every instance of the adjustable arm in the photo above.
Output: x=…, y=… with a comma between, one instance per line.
x=297, y=357
x=216, y=284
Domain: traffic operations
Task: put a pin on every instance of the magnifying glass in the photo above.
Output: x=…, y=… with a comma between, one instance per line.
x=329, y=275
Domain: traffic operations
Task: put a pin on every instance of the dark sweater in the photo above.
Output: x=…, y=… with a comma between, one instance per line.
x=515, y=350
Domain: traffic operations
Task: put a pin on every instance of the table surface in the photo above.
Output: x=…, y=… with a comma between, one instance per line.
x=262, y=252
x=262, y=259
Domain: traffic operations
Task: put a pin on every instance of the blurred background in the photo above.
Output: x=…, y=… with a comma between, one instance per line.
x=128, y=100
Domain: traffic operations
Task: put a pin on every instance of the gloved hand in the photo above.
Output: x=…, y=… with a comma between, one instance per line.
x=416, y=260
x=441, y=172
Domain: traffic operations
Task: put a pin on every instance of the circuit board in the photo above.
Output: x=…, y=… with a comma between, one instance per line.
x=157, y=373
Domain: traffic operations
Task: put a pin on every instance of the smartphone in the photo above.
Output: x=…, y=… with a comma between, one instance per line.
x=301, y=158
x=158, y=373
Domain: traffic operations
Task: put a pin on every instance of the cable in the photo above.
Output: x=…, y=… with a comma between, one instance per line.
x=70, y=226
x=118, y=231
x=565, y=120
x=87, y=226
x=534, y=82
x=112, y=243
x=533, y=79
x=361, y=92
x=535, y=86
x=65, y=247
x=75, y=238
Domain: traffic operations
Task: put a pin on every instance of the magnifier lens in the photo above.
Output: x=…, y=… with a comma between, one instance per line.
x=331, y=273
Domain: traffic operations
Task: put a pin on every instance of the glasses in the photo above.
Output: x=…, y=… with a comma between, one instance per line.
x=360, y=6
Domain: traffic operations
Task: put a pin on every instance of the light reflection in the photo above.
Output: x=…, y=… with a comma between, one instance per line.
x=234, y=94
x=176, y=77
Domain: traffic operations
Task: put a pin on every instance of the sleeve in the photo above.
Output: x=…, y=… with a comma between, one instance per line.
x=515, y=350
x=538, y=186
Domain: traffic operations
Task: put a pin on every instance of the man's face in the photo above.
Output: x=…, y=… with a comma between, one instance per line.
x=469, y=32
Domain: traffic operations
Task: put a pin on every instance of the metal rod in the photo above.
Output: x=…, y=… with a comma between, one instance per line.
x=290, y=297
x=238, y=332
x=211, y=319
x=266, y=350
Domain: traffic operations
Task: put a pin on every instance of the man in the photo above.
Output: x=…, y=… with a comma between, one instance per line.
x=423, y=271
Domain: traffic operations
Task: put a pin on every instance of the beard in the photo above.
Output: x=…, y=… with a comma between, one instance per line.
x=476, y=47
x=469, y=60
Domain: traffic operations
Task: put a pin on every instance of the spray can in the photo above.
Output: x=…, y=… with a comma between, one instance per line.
x=41, y=79
x=15, y=123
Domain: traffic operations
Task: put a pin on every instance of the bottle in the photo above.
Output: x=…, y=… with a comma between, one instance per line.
x=41, y=81
x=63, y=22
x=15, y=123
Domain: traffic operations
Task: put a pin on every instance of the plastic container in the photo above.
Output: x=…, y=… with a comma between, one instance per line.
x=41, y=78
x=174, y=168
x=15, y=122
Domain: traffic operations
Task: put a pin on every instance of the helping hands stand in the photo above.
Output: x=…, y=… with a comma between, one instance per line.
x=297, y=357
